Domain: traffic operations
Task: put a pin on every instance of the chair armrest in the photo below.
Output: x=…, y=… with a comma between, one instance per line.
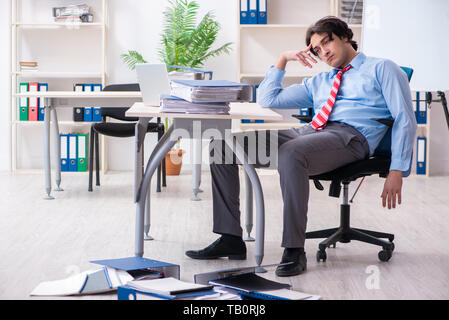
x=302, y=118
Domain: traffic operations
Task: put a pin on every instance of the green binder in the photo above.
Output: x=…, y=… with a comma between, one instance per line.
x=23, y=102
x=82, y=152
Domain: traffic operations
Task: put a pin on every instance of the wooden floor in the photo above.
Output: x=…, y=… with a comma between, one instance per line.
x=48, y=240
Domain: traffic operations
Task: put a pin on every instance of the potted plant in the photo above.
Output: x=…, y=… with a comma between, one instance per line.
x=183, y=43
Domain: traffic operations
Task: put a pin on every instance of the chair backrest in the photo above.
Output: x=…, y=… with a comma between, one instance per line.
x=119, y=113
x=384, y=147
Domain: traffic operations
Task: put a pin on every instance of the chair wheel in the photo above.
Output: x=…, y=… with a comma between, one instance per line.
x=321, y=255
x=385, y=255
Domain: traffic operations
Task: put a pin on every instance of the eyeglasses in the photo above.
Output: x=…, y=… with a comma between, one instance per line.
x=324, y=43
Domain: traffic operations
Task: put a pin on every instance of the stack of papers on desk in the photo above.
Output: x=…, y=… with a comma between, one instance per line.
x=178, y=105
x=197, y=91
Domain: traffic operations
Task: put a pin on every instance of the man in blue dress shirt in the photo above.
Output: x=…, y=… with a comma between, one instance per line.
x=372, y=88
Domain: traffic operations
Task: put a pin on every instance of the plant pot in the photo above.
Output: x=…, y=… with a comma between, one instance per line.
x=173, y=162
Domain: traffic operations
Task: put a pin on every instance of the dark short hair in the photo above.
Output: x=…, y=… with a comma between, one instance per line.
x=329, y=25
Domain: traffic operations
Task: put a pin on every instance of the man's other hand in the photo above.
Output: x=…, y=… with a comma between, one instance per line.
x=392, y=189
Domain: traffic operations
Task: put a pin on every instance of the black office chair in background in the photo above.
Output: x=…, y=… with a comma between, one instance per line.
x=121, y=130
x=379, y=164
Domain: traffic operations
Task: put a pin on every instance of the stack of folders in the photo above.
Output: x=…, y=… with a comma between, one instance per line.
x=31, y=109
x=204, y=96
x=251, y=286
x=28, y=66
x=73, y=152
x=178, y=105
x=211, y=91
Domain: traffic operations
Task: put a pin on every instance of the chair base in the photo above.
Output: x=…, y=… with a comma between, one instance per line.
x=344, y=233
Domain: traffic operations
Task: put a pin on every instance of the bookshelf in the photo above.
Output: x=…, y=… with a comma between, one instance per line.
x=259, y=45
x=66, y=53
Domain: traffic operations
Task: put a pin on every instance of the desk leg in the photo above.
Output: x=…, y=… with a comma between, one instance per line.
x=260, y=206
x=47, y=162
x=142, y=194
x=249, y=208
x=140, y=132
x=57, y=148
x=196, y=168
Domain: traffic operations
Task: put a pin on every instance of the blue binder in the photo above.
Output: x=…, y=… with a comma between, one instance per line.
x=244, y=14
x=262, y=12
x=421, y=155
x=88, y=114
x=420, y=112
x=252, y=8
x=96, y=114
x=64, y=140
x=73, y=152
x=41, y=110
x=303, y=112
x=96, y=87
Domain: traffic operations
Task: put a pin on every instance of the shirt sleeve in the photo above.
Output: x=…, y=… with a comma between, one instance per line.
x=397, y=95
x=271, y=94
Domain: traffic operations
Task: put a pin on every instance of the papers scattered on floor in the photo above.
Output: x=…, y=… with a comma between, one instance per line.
x=87, y=282
x=178, y=105
x=101, y=280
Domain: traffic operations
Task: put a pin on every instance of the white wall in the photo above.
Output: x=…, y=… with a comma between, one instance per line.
x=134, y=25
x=4, y=80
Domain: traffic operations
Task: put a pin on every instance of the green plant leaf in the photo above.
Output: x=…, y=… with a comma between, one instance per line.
x=132, y=58
x=182, y=42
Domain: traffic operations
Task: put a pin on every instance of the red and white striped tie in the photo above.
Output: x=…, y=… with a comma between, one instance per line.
x=320, y=119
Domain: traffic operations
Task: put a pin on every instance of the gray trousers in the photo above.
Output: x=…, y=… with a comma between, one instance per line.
x=301, y=152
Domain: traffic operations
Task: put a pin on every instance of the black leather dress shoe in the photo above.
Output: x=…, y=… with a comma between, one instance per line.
x=234, y=250
x=297, y=266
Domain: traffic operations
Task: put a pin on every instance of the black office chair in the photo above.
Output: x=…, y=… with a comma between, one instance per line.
x=121, y=130
x=379, y=164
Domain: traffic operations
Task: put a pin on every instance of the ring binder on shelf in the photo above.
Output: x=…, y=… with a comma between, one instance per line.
x=73, y=146
x=421, y=155
x=43, y=87
x=82, y=152
x=420, y=112
x=33, y=102
x=87, y=114
x=262, y=12
x=244, y=15
x=252, y=19
x=64, y=152
x=23, y=102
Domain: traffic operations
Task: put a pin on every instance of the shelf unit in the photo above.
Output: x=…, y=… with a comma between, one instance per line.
x=61, y=62
x=259, y=45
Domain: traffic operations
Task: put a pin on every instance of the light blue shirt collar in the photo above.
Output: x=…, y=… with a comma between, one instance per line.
x=356, y=62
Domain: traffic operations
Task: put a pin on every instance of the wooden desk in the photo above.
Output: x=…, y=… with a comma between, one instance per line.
x=192, y=124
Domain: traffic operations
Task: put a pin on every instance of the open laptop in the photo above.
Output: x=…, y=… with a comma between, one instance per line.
x=153, y=81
